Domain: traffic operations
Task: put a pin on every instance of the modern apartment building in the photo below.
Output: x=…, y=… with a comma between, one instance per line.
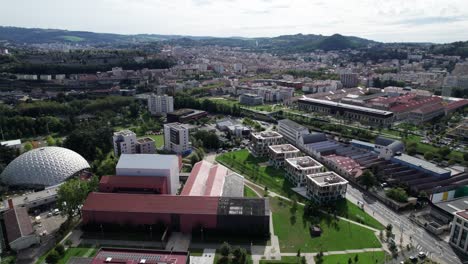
x=176, y=138
x=250, y=99
x=325, y=187
x=261, y=141
x=146, y=145
x=291, y=130
x=279, y=153
x=160, y=104
x=124, y=142
x=298, y=168
x=459, y=231
x=349, y=80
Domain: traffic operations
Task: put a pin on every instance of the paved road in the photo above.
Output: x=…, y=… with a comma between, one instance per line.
x=412, y=233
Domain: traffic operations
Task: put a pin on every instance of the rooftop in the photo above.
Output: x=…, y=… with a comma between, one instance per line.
x=147, y=161
x=293, y=125
x=267, y=134
x=176, y=125
x=421, y=163
x=326, y=178
x=34, y=196
x=11, y=142
x=124, y=133
x=347, y=106
x=17, y=223
x=205, y=179
x=303, y=163
x=141, y=256
x=463, y=214
x=283, y=148
x=454, y=206
x=145, y=140
x=150, y=203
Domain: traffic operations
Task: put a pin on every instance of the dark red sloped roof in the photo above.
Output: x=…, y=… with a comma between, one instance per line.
x=17, y=223
x=150, y=203
x=133, y=182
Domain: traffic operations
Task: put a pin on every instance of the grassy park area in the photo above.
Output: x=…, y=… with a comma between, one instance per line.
x=249, y=192
x=292, y=230
x=246, y=164
x=159, y=140
x=71, y=252
x=365, y=257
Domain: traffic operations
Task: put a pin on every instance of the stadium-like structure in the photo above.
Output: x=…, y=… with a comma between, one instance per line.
x=43, y=167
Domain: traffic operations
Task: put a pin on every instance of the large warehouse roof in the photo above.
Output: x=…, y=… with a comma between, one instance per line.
x=149, y=203
x=45, y=166
x=147, y=161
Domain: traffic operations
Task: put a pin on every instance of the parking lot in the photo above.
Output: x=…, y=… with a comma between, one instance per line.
x=49, y=222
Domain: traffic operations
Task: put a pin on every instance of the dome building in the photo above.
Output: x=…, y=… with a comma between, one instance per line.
x=43, y=167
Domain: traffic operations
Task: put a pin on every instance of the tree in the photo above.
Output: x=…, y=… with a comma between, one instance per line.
x=465, y=156
x=60, y=249
x=53, y=257
x=428, y=155
x=356, y=258
x=50, y=141
x=298, y=253
x=444, y=152
x=28, y=146
x=72, y=194
x=398, y=194
x=303, y=260
x=368, y=179
x=225, y=249
x=350, y=261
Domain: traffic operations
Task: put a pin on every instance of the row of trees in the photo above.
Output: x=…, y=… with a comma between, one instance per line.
x=185, y=101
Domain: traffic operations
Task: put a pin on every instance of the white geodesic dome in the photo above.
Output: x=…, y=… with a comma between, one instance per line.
x=45, y=166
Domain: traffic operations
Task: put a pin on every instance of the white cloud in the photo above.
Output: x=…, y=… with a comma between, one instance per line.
x=382, y=20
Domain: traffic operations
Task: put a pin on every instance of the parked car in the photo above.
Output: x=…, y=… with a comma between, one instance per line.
x=422, y=254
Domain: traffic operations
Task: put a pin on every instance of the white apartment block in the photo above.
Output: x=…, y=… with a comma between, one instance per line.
x=160, y=104
x=291, y=130
x=459, y=231
x=176, y=138
x=325, y=187
x=298, y=168
x=124, y=142
x=261, y=141
x=279, y=153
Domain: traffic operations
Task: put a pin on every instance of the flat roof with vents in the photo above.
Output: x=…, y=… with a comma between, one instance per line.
x=285, y=148
x=327, y=178
x=141, y=256
x=303, y=163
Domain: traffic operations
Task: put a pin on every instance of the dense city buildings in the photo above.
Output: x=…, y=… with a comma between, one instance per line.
x=262, y=140
x=176, y=138
x=160, y=104
x=349, y=80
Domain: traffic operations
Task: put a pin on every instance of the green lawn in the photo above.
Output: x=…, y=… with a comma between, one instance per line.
x=159, y=140
x=196, y=252
x=71, y=252
x=292, y=230
x=365, y=257
x=422, y=148
x=347, y=209
x=285, y=260
x=218, y=257
x=246, y=164
x=249, y=192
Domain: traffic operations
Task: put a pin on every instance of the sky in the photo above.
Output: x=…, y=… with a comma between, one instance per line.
x=438, y=21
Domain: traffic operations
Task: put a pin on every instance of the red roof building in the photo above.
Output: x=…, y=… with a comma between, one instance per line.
x=140, y=256
x=205, y=179
x=133, y=184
